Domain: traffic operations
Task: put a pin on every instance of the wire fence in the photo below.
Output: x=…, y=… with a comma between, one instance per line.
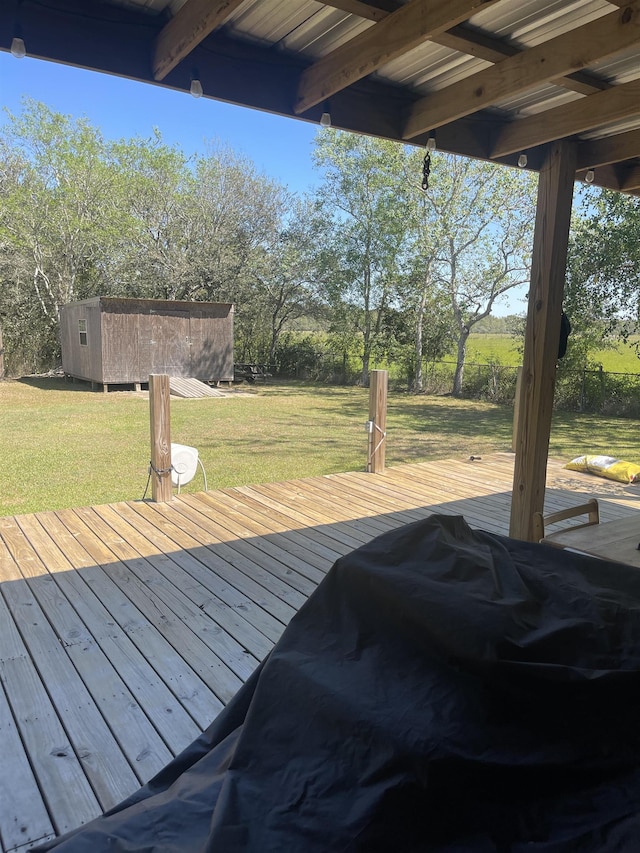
x=587, y=390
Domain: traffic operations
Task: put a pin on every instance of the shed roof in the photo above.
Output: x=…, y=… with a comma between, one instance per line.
x=491, y=78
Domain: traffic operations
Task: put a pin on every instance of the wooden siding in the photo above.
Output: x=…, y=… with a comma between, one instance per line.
x=212, y=345
x=120, y=338
x=83, y=362
x=125, y=628
x=130, y=338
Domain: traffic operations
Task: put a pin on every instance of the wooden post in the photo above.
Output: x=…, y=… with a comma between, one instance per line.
x=1, y=356
x=542, y=336
x=160, y=418
x=517, y=403
x=378, y=381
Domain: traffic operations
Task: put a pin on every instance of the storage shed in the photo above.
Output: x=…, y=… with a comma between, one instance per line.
x=121, y=341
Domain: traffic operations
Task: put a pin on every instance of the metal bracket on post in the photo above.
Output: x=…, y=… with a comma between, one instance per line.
x=371, y=427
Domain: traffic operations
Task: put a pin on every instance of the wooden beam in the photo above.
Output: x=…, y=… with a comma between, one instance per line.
x=597, y=110
x=359, y=9
x=376, y=453
x=160, y=424
x=554, y=58
x=610, y=149
x=542, y=336
x=189, y=26
x=631, y=180
x=619, y=177
x=473, y=42
x=516, y=410
x=607, y=177
x=399, y=32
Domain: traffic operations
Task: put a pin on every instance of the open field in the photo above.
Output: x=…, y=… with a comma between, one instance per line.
x=66, y=446
x=486, y=348
x=504, y=349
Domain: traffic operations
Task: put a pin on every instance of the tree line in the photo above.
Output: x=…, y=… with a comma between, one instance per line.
x=396, y=256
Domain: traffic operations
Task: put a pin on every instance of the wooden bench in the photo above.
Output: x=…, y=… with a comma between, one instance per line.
x=249, y=372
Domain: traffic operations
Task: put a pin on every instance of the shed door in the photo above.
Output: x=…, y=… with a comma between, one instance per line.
x=169, y=343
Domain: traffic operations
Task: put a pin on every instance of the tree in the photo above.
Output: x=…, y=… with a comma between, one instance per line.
x=286, y=277
x=363, y=201
x=63, y=213
x=60, y=215
x=446, y=254
x=154, y=259
x=602, y=292
x=477, y=230
x=81, y=216
x=423, y=293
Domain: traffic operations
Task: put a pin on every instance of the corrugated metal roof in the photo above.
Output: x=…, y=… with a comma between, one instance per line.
x=313, y=30
x=427, y=70
x=431, y=67
x=324, y=31
x=256, y=56
x=533, y=21
x=620, y=68
x=268, y=22
x=151, y=6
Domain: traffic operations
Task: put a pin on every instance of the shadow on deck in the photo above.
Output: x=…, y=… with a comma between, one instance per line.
x=125, y=628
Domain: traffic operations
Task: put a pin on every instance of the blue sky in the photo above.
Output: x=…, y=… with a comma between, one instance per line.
x=278, y=146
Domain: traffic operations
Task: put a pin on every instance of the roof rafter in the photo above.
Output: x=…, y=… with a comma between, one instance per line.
x=358, y=8
x=612, y=149
x=474, y=42
x=597, y=110
x=554, y=58
x=190, y=25
x=399, y=32
x=619, y=178
x=631, y=180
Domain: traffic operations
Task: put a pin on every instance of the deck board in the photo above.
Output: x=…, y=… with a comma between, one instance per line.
x=125, y=628
x=18, y=783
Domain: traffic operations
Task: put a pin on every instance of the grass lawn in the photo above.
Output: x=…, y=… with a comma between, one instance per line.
x=486, y=348
x=64, y=445
x=504, y=349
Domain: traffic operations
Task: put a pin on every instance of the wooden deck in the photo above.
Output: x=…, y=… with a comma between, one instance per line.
x=125, y=628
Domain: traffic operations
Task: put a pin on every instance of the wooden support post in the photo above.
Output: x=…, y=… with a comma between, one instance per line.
x=517, y=403
x=160, y=418
x=378, y=381
x=542, y=336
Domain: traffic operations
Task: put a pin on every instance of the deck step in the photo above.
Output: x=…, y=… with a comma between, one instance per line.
x=182, y=386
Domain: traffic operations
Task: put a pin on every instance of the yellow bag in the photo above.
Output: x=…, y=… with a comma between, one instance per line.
x=606, y=466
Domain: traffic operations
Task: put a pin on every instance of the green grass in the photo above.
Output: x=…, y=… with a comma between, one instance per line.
x=486, y=348
x=504, y=348
x=66, y=446
x=622, y=359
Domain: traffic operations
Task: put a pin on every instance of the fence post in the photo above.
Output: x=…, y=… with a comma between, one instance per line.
x=516, y=409
x=377, y=425
x=160, y=420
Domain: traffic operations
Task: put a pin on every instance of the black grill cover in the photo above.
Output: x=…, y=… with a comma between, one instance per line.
x=442, y=690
